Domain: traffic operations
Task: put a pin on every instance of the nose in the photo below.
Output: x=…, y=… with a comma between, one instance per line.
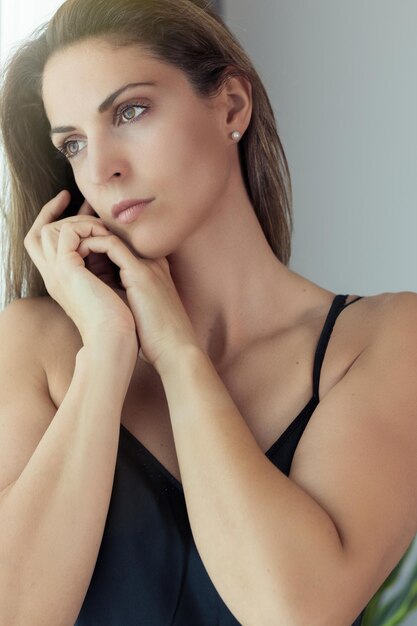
x=106, y=160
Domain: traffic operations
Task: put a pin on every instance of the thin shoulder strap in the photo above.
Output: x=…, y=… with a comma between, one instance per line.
x=338, y=305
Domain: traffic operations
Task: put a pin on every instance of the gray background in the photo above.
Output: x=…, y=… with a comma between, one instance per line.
x=343, y=83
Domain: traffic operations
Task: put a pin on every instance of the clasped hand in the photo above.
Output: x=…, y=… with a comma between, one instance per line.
x=105, y=287
x=162, y=323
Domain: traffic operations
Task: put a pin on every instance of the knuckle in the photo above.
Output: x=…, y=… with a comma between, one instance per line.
x=65, y=228
x=44, y=229
x=29, y=242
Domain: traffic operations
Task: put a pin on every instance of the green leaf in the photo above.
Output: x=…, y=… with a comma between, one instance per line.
x=383, y=612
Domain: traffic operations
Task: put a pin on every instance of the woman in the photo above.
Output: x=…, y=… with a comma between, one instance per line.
x=177, y=488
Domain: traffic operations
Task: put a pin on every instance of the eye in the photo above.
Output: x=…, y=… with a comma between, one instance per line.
x=125, y=114
x=71, y=148
x=129, y=112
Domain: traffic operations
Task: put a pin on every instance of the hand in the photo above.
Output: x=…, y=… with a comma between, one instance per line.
x=161, y=321
x=100, y=264
x=52, y=244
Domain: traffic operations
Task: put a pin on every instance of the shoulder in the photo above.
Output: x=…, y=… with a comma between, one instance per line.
x=400, y=304
x=388, y=303
x=392, y=356
x=40, y=325
x=383, y=330
x=373, y=319
x=394, y=317
x=27, y=318
x=40, y=312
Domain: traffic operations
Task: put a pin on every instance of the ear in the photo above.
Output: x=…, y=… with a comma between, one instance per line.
x=235, y=104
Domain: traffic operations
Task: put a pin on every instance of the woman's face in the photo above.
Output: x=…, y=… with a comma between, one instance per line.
x=150, y=141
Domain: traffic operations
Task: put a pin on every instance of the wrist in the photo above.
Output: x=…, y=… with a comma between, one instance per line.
x=115, y=349
x=119, y=341
x=106, y=369
x=189, y=355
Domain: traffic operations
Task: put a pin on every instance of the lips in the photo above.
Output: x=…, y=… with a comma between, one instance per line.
x=127, y=204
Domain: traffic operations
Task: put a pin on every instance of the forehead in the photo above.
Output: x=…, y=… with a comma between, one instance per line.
x=93, y=69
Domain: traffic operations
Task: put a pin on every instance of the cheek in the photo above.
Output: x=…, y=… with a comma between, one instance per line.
x=80, y=181
x=93, y=193
x=195, y=162
x=87, y=192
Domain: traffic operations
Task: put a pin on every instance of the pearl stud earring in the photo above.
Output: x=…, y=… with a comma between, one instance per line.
x=236, y=135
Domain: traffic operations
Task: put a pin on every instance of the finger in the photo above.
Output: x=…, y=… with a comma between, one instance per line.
x=71, y=235
x=111, y=245
x=51, y=211
x=142, y=356
x=86, y=209
x=48, y=213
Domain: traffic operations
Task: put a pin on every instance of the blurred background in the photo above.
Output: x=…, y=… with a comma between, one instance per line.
x=341, y=78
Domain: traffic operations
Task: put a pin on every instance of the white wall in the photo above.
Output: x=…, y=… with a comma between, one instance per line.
x=19, y=17
x=343, y=83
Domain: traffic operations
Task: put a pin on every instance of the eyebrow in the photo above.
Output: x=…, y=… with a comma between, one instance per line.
x=104, y=106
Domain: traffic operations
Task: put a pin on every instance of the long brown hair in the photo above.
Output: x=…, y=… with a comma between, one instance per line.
x=190, y=35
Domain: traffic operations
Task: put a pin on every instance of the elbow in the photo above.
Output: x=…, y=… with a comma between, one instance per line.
x=317, y=596
x=273, y=609
x=300, y=614
x=297, y=617
x=299, y=609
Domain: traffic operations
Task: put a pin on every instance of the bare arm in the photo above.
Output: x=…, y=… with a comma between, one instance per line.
x=313, y=547
x=52, y=516
x=254, y=528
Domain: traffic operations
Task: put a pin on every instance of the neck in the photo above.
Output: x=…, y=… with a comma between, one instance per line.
x=231, y=284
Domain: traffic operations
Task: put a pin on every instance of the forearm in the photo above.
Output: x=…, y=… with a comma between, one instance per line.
x=52, y=518
x=266, y=544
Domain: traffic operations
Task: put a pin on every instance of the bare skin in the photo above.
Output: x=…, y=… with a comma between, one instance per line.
x=270, y=382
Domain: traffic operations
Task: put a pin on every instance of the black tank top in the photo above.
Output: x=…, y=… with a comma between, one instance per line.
x=148, y=571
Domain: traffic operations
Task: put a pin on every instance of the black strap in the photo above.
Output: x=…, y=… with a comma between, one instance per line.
x=338, y=305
